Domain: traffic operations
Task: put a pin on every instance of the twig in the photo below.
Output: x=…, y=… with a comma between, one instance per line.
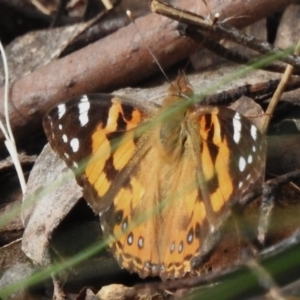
x=9, y=138
x=279, y=181
x=279, y=91
x=223, y=30
x=255, y=91
x=228, y=54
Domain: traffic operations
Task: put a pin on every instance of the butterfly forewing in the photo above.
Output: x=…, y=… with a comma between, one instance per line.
x=232, y=154
x=89, y=134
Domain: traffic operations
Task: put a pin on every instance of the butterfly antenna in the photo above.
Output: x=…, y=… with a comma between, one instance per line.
x=212, y=20
x=129, y=14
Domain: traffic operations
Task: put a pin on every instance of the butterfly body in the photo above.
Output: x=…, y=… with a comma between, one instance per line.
x=162, y=178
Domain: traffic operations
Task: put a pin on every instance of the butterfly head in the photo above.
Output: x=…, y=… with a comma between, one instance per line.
x=180, y=89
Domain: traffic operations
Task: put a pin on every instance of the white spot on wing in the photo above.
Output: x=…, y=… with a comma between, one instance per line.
x=129, y=239
x=242, y=164
x=84, y=107
x=237, y=127
x=141, y=242
x=124, y=225
x=65, y=138
x=180, y=247
x=250, y=159
x=74, y=143
x=61, y=110
x=60, y=127
x=253, y=131
x=254, y=149
x=172, y=247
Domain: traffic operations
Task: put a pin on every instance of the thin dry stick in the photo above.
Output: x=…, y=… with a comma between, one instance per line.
x=228, y=54
x=108, y=5
x=7, y=132
x=279, y=91
x=222, y=30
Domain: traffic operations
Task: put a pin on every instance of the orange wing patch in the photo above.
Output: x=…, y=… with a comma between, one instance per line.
x=216, y=159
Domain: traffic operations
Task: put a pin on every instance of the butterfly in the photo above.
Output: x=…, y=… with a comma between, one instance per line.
x=162, y=178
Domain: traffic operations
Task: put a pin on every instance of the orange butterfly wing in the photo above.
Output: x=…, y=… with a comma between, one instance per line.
x=93, y=135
